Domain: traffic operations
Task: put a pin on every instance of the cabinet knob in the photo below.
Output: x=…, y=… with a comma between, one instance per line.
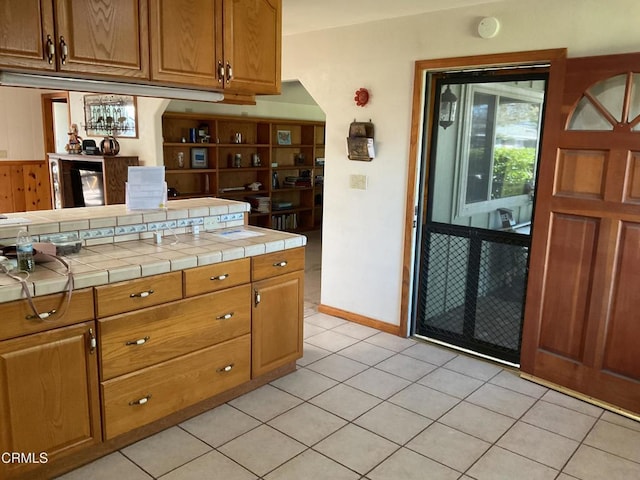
x=220, y=277
x=140, y=401
x=140, y=341
x=226, y=368
x=141, y=294
x=226, y=316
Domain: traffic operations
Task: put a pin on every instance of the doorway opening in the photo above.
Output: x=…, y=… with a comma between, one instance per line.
x=55, y=119
x=476, y=204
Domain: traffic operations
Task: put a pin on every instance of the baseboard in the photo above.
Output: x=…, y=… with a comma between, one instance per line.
x=361, y=319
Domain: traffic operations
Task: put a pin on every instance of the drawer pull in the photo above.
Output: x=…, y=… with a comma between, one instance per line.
x=225, y=369
x=224, y=276
x=141, y=401
x=226, y=316
x=141, y=294
x=42, y=315
x=140, y=341
x=280, y=264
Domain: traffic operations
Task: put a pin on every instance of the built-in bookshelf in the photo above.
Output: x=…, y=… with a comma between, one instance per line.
x=275, y=164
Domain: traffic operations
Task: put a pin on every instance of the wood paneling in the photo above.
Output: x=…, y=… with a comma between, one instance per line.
x=621, y=351
x=632, y=193
x=25, y=186
x=581, y=173
x=569, y=268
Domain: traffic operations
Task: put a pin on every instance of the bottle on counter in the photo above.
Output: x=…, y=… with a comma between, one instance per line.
x=24, y=251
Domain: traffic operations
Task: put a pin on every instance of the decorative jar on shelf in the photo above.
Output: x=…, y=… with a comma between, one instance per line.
x=109, y=146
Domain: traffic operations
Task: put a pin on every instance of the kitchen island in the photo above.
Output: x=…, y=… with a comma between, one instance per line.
x=171, y=313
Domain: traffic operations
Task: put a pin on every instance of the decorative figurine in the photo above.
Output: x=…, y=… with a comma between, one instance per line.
x=75, y=142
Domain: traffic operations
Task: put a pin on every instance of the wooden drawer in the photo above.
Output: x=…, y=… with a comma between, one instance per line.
x=134, y=340
x=277, y=263
x=139, y=293
x=15, y=321
x=139, y=398
x=217, y=276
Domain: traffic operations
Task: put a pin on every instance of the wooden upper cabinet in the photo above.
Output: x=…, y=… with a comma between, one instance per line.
x=96, y=38
x=253, y=45
x=105, y=38
x=27, y=34
x=185, y=41
x=233, y=45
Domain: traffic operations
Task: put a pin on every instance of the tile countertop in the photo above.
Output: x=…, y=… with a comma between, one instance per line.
x=124, y=258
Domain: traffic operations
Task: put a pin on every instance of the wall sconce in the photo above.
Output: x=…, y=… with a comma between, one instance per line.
x=448, y=104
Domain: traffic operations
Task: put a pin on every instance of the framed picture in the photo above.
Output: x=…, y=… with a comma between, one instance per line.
x=110, y=115
x=284, y=137
x=199, y=158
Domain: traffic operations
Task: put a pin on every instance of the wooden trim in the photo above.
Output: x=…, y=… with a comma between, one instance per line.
x=361, y=319
x=47, y=100
x=421, y=68
x=581, y=396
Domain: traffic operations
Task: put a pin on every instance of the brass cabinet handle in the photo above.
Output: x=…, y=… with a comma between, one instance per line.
x=226, y=316
x=220, y=72
x=229, y=72
x=141, y=294
x=140, y=341
x=256, y=298
x=64, y=51
x=50, y=48
x=140, y=401
x=280, y=264
x=226, y=368
x=92, y=342
x=220, y=277
x=42, y=315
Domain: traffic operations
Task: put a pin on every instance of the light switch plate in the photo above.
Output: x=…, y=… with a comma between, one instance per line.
x=359, y=182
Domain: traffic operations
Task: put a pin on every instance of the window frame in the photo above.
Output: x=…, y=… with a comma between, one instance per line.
x=498, y=90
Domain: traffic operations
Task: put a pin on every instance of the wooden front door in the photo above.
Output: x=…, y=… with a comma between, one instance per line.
x=582, y=317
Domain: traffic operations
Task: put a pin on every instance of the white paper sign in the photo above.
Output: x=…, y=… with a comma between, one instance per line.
x=146, y=188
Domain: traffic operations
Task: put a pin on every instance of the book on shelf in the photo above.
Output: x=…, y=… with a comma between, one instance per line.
x=259, y=203
x=288, y=221
x=296, y=182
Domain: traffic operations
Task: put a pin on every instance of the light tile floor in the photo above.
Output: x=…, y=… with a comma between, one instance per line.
x=366, y=405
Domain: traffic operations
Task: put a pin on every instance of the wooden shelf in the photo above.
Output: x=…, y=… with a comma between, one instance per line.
x=259, y=136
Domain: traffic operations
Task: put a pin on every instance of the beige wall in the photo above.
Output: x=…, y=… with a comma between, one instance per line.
x=363, y=230
x=21, y=124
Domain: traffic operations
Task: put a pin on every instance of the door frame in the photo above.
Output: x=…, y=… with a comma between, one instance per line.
x=419, y=124
x=48, y=99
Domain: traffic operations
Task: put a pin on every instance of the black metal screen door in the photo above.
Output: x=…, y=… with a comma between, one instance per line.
x=474, y=242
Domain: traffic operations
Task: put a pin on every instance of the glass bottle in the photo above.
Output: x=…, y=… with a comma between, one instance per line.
x=24, y=251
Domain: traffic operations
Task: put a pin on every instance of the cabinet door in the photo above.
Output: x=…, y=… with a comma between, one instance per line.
x=111, y=39
x=27, y=38
x=186, y=41
x=48, y=393
x=277, y=322
x=252, y=45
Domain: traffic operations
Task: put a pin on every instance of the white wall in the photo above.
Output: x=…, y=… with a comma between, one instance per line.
x=363, y=230
x=21, y=123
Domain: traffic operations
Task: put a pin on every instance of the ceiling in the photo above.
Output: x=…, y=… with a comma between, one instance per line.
x=299, y=16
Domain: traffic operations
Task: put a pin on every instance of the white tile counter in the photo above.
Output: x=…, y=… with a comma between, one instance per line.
x=121, y=245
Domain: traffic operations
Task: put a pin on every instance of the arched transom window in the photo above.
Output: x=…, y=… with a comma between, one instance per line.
x=612, y=104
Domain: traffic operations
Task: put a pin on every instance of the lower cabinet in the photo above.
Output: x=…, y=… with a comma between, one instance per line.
x=277, y=313
x=49, y=405
x=163, y=343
